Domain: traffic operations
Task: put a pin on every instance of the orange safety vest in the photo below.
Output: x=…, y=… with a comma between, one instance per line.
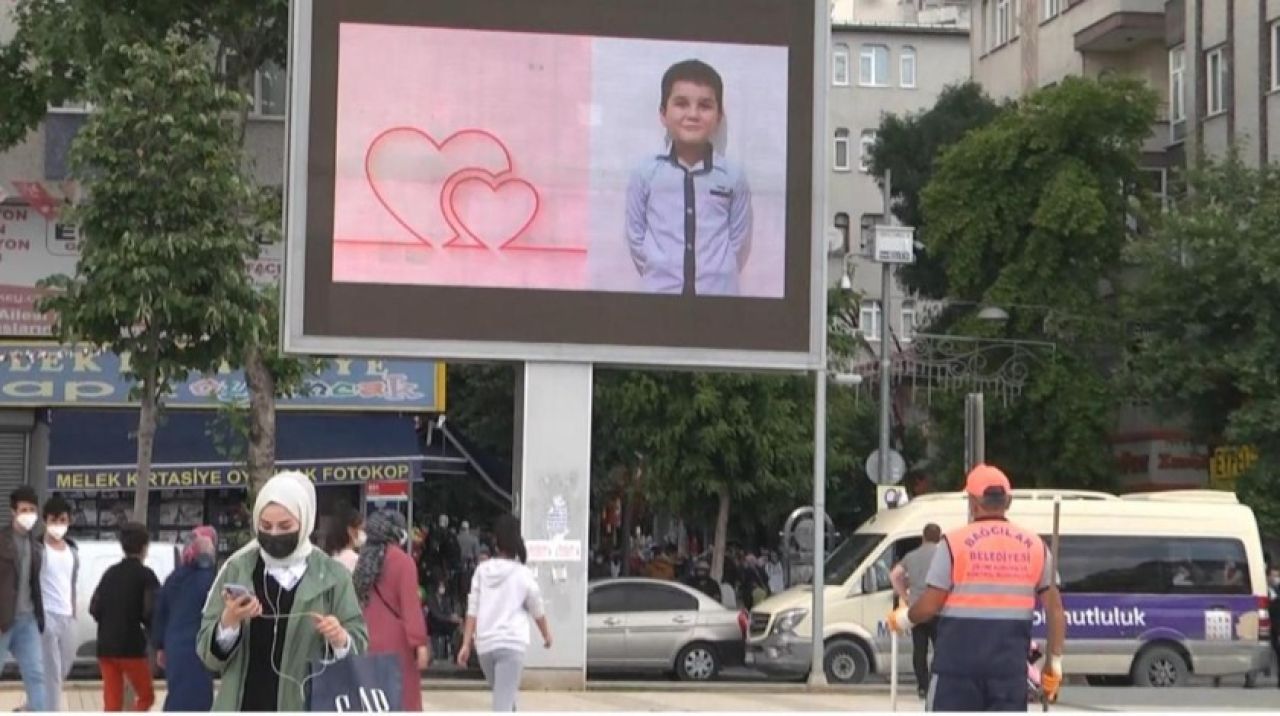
x=985, y=624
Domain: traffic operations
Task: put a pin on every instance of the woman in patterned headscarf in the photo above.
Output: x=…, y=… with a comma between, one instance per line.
x=177, y=621
x=386, y=583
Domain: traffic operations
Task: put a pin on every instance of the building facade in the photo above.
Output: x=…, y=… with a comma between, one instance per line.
x=887, y=66
x=1215, y=66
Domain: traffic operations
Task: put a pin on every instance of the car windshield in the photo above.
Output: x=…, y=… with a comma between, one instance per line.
x=849, y=555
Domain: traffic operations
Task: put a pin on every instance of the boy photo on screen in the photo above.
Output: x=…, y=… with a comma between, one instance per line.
x=688, y=216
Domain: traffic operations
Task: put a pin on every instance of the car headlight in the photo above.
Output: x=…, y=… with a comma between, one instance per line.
x=788, y=619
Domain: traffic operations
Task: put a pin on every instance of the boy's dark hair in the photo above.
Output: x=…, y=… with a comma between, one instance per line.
x=24, y=493
x=697, y=72
x=55, y=506
x=134, y=538
x=507, y=535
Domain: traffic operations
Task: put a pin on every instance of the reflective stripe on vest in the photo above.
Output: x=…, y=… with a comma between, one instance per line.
x=995, y=569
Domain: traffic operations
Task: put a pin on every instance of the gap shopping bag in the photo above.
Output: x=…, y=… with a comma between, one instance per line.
x=361, y=682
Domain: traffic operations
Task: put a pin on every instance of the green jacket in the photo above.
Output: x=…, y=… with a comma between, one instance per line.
x=325, y=588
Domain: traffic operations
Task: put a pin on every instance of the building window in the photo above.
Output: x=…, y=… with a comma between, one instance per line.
x=72, y=106
x=985, y=22
x=270, y=91
x=1157, y=183
x=840, y=66
x=842, y=225
x=907, y=67
x=841, y=162
x=1215, y=64
x=1004, y=21
x=873, y=66
x=1051, y=8
x=866, y=146
x=908, y=320
x=1177, y=93
x=867, y=232
x=869, y=320
x=1275, y=55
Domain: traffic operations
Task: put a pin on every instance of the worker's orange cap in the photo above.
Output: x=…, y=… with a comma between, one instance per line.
x=987, y=481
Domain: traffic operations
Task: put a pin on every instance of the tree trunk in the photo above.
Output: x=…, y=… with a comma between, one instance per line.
x=146, y=441
x=262, y=418
x=722, y=536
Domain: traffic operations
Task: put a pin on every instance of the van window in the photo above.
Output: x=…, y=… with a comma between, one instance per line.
x=877, y=579
x=849, y=555
x=1153, y=565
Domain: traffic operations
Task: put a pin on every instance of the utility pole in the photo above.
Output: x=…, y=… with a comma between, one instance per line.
x=886, y=359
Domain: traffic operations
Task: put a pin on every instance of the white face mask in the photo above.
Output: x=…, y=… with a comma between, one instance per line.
x=27, y=520
x=361, y=538
x=57, y=531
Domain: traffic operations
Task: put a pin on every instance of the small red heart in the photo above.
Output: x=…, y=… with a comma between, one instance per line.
x=407, y=169
x=492, y=210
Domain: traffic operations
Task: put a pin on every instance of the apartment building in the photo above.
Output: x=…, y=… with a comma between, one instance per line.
x=1215, y=65
x=888, y=57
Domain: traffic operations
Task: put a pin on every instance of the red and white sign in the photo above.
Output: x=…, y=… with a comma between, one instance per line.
x=35, y=244
x=397, y=490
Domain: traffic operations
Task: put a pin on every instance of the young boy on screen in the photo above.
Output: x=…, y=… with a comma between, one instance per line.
x=688, y=210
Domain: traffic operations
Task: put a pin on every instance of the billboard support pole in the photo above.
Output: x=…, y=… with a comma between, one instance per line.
x=552, y=489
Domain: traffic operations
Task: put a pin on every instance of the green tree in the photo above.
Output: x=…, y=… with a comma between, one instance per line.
x=1208, y=306
x=60, y=47
x=162, y=279
x=1031, y=213
x=909, y=147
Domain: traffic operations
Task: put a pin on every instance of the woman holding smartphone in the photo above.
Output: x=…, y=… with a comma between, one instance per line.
x=278, y=605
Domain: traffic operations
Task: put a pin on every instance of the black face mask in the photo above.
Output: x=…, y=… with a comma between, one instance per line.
x=278, y=546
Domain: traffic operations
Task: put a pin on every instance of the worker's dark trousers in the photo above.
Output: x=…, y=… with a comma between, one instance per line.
x=967, y=693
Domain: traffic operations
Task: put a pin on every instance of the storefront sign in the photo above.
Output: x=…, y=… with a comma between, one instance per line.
x=43, y=375
x=388, y=491
x=1228, y=463
x=35, y=243
x=118, y=477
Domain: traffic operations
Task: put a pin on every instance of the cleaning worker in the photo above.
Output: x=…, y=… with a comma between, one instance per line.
x=982, y=587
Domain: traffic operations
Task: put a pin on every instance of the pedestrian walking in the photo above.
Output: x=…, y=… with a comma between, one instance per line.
x=982, y=586
x=179, y=607
x=122, y=606
x=345, y=536
x=277, y=606
x=1273, y=610
x=908, y=579
x=386, y=583
x=22, y=597
x=58, y=578
x=504, y=594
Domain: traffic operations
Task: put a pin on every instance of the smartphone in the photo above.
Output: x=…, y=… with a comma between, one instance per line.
x=237, y=591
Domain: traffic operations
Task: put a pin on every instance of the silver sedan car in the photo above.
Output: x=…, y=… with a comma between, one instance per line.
x=653, y=625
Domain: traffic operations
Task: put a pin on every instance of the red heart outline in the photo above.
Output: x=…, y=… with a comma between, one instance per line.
x=494, y=182
x=439, y=147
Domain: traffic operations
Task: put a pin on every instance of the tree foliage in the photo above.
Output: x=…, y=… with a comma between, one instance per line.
x=1209, y=307
x=909, y=146
x=1030, y=213
x=162, y=278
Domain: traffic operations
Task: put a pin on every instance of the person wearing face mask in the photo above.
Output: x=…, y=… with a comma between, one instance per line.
x=290, y=605
x=122, y=606
x=386, y=583
x=179, y=607
x=58, y=590
x=345, y=536
x=21, y=597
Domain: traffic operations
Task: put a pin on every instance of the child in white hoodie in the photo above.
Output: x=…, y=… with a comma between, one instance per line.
x=504, y=595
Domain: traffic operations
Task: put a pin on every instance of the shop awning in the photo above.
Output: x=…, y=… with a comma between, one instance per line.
x=94, y=450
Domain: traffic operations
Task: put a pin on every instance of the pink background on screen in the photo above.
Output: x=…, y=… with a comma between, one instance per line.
x=529, y=97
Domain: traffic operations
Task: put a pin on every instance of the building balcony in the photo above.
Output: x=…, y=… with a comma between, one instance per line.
x=1122, y=25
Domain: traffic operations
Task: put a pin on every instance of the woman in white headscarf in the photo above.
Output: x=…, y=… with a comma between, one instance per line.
x=277, y=606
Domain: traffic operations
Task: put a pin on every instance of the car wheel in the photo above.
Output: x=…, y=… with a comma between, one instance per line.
x=846, y=662
x=697, y=662
x=1160, y=666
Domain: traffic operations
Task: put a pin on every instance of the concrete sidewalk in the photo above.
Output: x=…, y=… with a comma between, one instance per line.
x=472, y=696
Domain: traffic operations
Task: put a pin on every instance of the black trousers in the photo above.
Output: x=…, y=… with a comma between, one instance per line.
x=923, y=638
x=964, y=693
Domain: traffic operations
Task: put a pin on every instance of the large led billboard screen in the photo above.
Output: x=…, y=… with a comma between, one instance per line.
x=596, y=180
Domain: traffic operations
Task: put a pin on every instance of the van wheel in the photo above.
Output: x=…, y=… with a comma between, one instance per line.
x=1160, y=666
x=846, y=662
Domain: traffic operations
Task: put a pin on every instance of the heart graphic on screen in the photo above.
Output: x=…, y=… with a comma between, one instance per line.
x=408, y=169
x=491, y=210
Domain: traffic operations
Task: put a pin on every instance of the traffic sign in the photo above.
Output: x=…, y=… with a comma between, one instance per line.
x=897, y=468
